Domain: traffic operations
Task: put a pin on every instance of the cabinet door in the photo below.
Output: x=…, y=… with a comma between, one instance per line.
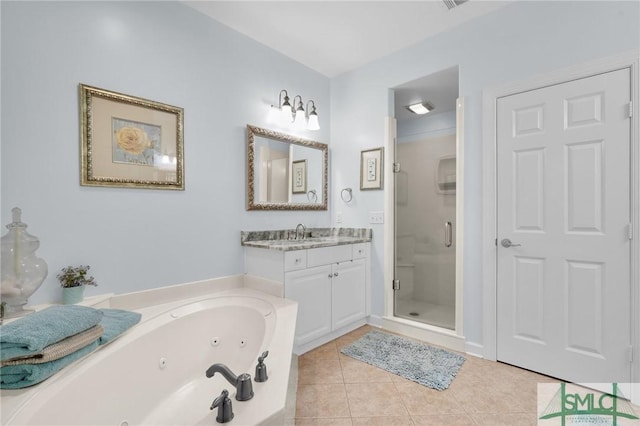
x=348, y=292
x=311, y=288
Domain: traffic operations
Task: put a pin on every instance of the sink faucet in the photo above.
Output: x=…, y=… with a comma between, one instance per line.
x=244, y=388
x=304, y=229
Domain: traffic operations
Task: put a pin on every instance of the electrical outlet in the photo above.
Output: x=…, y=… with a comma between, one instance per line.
x=338, y=217
x=376, y=217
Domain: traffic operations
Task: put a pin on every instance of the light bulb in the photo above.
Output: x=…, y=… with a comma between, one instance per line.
x=299, y=122
x=285, y=114
x=313, y=122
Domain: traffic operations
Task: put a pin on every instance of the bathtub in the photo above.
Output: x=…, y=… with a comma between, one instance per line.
x=155, y=373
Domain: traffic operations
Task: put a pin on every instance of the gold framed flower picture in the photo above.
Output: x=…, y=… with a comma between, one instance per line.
x=130, y=142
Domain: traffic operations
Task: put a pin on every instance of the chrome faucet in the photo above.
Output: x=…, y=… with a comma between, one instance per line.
x=304, y=230
x=244, y=388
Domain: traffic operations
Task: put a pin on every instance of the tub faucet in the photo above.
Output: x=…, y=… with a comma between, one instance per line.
x=304, y=229
x=244, y=388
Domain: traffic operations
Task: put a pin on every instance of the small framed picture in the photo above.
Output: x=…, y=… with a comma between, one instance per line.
x=299, y=177
x=130, y=142
x=371, y=167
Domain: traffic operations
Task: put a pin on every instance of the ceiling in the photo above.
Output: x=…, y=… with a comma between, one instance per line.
x=337, y=36
x=333, y=37
x=439, y=89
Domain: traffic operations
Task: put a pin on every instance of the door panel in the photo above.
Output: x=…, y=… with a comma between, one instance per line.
x=528, y=281
x=529, y=190
x=584, y=186
x=311, y=288
x=563, y=174
x=348, y=293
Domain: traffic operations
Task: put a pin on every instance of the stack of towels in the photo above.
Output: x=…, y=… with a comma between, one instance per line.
x=37, y=346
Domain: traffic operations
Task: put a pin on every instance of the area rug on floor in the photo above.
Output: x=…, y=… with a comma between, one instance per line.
x=415, y=361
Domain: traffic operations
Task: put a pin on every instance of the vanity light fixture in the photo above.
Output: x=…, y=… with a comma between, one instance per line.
x=420, y=108
x=295, y=113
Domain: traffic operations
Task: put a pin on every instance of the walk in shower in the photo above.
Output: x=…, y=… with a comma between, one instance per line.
x=425, y=202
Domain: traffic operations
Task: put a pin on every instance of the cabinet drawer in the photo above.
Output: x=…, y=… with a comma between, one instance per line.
x=360, y=250
x=294, y=260
x=327, y=255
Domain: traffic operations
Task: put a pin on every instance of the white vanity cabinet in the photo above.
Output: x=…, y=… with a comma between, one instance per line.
x=329, y=284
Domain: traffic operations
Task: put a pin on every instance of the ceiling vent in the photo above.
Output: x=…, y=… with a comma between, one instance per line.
x=453, y=3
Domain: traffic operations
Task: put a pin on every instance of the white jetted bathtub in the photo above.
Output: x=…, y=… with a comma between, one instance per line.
x=155, y=373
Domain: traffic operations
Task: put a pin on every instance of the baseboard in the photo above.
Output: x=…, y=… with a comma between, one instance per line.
x=474, y=349
x=301, y=349
x=375, y=320
x=433, y=335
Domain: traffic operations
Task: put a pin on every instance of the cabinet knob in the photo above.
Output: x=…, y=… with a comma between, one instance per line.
x=329, y=275
x=298, y=260
x=335, y=274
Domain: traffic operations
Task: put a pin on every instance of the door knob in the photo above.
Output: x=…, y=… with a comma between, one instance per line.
x=507, y=243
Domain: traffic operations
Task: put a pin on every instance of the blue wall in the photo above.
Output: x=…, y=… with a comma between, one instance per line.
x=422, y=127
x=510, y=44
x=165, y=51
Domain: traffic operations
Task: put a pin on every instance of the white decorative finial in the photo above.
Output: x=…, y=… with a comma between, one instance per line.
x=16, y=214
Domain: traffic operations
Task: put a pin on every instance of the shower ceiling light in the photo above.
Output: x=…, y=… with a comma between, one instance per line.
x=420, y=108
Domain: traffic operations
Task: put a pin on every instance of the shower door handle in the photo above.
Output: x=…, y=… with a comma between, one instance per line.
x=448, y=236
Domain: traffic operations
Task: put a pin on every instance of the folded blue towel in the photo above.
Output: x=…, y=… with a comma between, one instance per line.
x=21, y=376
x=115, y=322
x=30, y=334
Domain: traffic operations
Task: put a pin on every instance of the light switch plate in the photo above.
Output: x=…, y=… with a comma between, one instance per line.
x=376, y=217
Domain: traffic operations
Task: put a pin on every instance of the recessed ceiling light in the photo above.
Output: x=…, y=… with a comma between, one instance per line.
x=420, y=108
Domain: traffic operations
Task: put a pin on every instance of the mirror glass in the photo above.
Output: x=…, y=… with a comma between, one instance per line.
x=285, y=172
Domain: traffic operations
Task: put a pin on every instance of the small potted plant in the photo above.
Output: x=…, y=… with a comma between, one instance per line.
x=73, y=279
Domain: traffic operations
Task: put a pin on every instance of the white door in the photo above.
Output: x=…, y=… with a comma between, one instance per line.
x=563, y=173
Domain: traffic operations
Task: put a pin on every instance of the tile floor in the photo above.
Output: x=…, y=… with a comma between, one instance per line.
x=336, y=390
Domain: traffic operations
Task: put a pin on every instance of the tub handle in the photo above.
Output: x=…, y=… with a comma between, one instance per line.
x=448, y=237
x=261, y=368
x=225, y=409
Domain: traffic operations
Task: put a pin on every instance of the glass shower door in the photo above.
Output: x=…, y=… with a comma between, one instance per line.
x=425, y=213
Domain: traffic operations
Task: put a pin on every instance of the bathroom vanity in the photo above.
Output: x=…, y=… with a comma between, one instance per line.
x=327, y=273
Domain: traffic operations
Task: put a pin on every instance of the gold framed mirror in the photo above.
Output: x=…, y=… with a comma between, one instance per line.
x=285, y=172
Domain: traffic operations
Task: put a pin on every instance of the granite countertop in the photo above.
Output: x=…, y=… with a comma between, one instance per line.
x=284, y=239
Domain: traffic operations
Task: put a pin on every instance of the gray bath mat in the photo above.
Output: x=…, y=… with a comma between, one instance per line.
x=418, y=362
